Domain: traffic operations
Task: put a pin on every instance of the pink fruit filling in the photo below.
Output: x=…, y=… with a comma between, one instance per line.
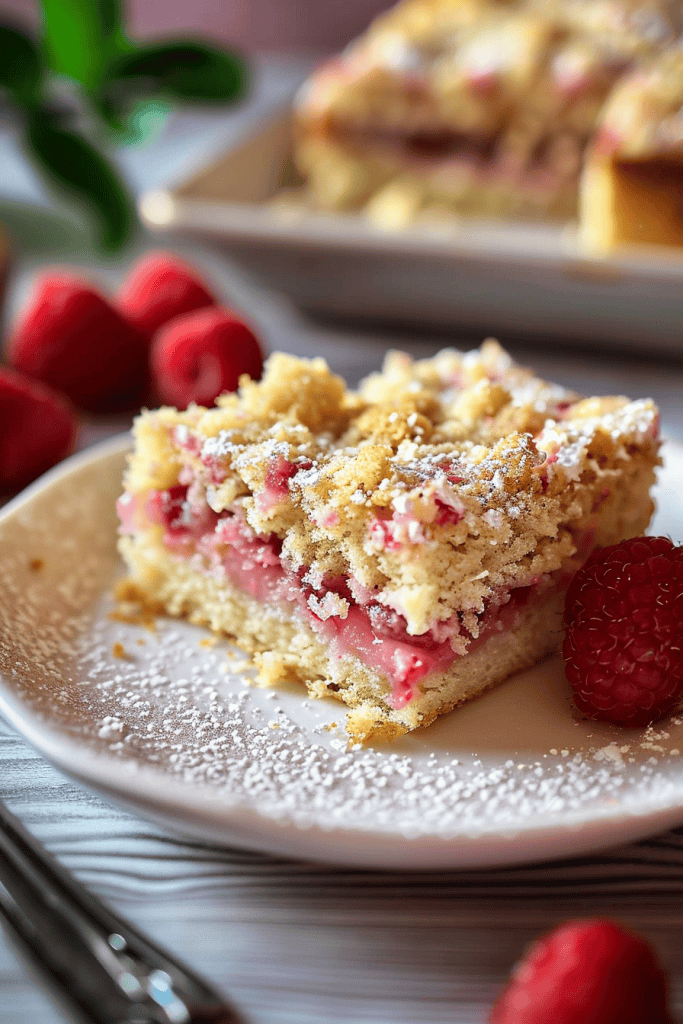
x=347, y=614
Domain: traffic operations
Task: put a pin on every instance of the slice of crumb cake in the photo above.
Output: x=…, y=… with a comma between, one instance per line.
x=402, y=547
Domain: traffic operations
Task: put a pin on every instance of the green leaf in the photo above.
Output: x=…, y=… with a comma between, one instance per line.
x=82, y=37
x=181, y=70
x=131, y=121
x=73, y=163
x=110, y=13
x=21, y=66
x=146, y=118
x=110, y=114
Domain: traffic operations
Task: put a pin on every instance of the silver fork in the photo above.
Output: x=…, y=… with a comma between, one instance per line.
x=98, y=967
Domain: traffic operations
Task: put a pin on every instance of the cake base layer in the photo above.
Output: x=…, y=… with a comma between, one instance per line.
x=394, y=190
x=286, y=646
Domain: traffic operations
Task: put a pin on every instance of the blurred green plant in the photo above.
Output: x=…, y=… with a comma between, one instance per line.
x=85, y=83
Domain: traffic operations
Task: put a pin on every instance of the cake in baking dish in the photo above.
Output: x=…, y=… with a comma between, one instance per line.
x=632, y=185
x=485, y=107
x=401, y=547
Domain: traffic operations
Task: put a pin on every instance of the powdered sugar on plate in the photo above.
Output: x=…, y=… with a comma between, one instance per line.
x=190, y=711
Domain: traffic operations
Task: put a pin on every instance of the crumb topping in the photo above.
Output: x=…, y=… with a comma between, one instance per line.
x=436, y=485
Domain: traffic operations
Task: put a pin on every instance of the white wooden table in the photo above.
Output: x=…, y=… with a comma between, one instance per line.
x=294, y=943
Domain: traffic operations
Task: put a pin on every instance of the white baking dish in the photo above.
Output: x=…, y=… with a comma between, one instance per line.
x=499, y=278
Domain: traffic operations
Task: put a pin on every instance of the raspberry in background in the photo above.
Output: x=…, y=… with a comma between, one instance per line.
x=158, y=289
x=37, y=429
x=623, y=646
x=198, y=356
x=71, y=338
x=586, y=972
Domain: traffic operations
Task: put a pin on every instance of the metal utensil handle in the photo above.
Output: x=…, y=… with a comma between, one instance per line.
x=107, y=971
x=30, y=942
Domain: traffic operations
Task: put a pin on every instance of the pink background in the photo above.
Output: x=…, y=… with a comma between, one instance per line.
x=263, y=24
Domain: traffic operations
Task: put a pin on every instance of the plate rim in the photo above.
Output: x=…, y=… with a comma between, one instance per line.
x=206, y=813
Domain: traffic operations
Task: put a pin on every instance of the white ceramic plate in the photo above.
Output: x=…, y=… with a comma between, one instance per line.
x=469, y=275
x=164, y=721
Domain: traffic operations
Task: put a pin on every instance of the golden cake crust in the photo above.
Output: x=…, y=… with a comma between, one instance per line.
x=633, y=181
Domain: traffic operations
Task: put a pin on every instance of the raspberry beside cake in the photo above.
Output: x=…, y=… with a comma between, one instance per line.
x=403, y=547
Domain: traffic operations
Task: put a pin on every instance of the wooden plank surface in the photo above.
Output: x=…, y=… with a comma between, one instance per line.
x=294, y=943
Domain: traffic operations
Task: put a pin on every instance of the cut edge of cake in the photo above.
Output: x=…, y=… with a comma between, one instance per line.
x=632, y=185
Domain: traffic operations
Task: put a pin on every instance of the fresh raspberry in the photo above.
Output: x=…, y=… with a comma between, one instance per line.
x=623, y=646
x=196, y=357
x=71, y=338
x=37, y=429
x=158, y=289
x=586, y=972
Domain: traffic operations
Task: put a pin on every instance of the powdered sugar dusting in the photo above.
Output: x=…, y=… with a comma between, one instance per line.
x=188, y=711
